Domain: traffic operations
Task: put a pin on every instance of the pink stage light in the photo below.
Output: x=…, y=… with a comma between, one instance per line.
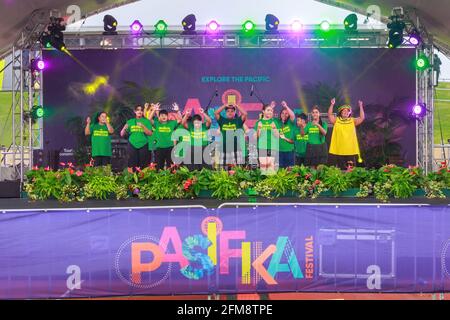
x=136, y=26
x=40, y=65
x=212, y=26
x=296, y=26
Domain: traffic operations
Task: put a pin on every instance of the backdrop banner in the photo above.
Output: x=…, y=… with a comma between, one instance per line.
x=150, y=251
x=117, y=80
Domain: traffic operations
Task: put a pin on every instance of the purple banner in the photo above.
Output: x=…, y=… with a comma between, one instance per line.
x=150, y=251
x=99, y=79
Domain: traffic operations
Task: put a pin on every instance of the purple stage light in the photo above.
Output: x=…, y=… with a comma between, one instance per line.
x=417, y=110
x=414, y=41
x=213, y=26
x=136, y=26
x=296, y=26
x=40, y=65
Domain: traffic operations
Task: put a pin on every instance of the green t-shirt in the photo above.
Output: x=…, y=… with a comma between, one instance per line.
x=300, y=142
x=288, y=130
x=313, y=132
x=163, y=133
x=137, y=137
x=267, y=137
x=198, y=137
x=152, y=141
x=183, y=136
x=101, y=140
x=229, y=127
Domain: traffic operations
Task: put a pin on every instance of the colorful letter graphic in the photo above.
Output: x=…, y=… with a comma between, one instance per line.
x=193, y=256
x=225, y=252
x=171, y=234
x=137, y=267
x=285, y=246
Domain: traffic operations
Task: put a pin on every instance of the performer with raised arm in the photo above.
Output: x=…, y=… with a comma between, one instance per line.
x=316, y=130
x=199, y=137
x=163, y=130
x=233, y=136
x=344, y=147
x=287, y=129
x=267, y=134
x=138, y=128
x=100, y=132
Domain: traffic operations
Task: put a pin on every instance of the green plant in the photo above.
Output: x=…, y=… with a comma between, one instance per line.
x=224, y=185
x=335, y=180
x=164, y=186
x=277, y=184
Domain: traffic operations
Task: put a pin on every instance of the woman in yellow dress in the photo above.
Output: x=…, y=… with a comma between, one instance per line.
x=344, y=147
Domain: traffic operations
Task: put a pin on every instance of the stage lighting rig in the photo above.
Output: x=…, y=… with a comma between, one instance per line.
x=396, y=28
x=53, y=36
x=272, y=23
x=188, y=24
x=109, y=25
x=351, y=22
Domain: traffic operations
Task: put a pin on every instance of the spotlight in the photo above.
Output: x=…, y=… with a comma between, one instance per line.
x=415, y=38
x=53, y=36
x=212, y=26
x=396, y=28
x=161, y=27
x=109, y=25
x=422, y=63
x=45, y=40
x=272, y=23
x=188, y=24
x=351, y=22
x=248, y=26
x=37, y=65
x=296, y=26
x=325, y=26
x=37, y=112
x=419, y=111
x=136, y=27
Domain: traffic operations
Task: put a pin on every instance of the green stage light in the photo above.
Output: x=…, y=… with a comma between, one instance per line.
x=325, y=26
x=248, y=26
x=161, y=27
x=422, y=63
x=37, y=112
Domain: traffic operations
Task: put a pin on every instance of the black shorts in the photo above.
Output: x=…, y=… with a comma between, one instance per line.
x=316, y=154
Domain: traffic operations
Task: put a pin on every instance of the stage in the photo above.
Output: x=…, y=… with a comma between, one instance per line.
x=211, y=247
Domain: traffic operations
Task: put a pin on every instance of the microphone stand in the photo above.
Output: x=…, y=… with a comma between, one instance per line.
x=256, y=95
x=215, y=94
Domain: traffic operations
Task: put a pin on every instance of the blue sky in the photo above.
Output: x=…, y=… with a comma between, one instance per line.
x=230, y=12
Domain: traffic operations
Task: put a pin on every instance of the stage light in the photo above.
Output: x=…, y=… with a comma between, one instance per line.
x=37, y=65
x=161, y=27
x=248, y=26
x=296, y=26
x=37, y=112
x=414, y=38
x=351, y=22
x=136, y=26
x=212, y=26
x=45, y=40
x=272, y=23
x=419, y=111
x=53, y=36
x=396, y=28
x=422, y=63
x=325, y=26
x=109, y=25
x=188, y=24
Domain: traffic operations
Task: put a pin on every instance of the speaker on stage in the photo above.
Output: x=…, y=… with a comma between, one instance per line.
x=10, y=189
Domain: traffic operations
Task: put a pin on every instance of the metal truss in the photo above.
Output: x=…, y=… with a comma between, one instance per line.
x=229, y=39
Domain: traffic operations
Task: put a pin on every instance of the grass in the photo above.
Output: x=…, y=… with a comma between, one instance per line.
x=5, y=122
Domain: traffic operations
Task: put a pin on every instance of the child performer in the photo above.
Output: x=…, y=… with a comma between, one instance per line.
x=287, y=128
x=100, y=132
x=316, y=130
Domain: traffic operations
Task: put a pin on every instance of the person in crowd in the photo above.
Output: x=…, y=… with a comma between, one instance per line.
x=232, y=132
x=138, y=129
x=316, y=148
x=163, y=131
x=344, y=147
x=100, y=132
x=287, y=128
x=300, y=141
x=198, y=130
x=267, y=134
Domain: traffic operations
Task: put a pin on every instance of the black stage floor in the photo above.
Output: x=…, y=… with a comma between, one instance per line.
x=16, y=203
